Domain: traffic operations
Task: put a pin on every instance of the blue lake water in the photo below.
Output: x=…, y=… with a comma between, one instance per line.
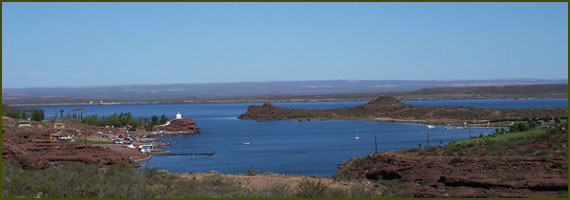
x=310, y=148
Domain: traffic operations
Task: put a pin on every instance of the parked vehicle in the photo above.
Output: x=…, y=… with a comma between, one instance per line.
x=117, y=141
x=129, y=145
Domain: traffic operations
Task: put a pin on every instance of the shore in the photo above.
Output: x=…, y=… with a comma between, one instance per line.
x=536, y=91
x=258, y=101
x=390, y=109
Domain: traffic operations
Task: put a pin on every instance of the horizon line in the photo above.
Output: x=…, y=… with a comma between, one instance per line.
x=267, y=81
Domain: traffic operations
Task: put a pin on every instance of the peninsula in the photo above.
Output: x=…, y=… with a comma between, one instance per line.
x=393, y=110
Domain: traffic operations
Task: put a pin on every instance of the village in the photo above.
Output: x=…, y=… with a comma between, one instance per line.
x=62, y=140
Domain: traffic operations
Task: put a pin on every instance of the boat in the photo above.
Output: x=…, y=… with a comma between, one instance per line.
x=431, y=126
x=356, y=137
x=146, y=148
x=247, y=143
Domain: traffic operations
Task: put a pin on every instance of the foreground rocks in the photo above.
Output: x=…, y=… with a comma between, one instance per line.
x=529, y=168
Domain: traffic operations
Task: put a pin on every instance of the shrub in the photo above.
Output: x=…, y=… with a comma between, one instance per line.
x=513, y=177
x=250, y=172
x=346, y=175
x=455, y=160
x=311, y=189
x=556, y=165
x=277, y=190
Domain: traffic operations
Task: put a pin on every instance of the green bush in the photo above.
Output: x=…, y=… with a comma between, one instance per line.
x=346, y=175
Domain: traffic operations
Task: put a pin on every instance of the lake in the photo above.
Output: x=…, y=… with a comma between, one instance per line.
x=310, y=148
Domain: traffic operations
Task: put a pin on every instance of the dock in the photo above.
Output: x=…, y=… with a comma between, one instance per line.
x=167, y=153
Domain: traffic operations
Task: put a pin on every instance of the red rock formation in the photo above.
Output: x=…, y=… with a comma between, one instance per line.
x=179, y=126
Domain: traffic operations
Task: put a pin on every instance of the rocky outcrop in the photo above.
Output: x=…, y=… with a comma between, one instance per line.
x=534, y=185
x=179, y=126
x=386, y=174
x=391, y=109
x=494, y=169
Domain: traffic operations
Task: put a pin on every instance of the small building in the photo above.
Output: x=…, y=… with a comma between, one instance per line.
x=58, y=126
x=25, y=123
x=63, y=135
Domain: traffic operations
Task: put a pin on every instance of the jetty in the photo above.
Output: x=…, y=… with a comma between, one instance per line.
x=188, y=154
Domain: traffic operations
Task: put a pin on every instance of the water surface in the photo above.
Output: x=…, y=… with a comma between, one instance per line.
x=310, y=148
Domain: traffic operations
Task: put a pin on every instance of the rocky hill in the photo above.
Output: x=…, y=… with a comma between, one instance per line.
x=31, y=147
x=500, y=165
x=179, y=126
x=391, y=109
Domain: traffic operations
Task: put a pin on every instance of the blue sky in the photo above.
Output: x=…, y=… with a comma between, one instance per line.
x=97, y=44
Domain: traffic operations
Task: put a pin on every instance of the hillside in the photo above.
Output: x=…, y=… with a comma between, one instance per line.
x=391, y=109
x=515, y=164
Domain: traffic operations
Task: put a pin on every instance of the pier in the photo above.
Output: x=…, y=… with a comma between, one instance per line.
x=167, y=153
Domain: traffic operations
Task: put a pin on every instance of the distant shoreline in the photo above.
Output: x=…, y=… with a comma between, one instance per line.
x=390, y=109
x=262, y=101
x=539, y=91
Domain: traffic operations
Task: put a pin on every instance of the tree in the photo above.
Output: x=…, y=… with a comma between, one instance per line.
x=37, y=115
x=153, y=121
x=163, y=119
x=61, y=113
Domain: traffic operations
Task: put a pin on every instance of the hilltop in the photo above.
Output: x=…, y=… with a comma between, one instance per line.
x=392, y=109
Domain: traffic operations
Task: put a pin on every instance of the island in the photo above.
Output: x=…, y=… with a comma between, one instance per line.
x=179, y=125
x=391, y=109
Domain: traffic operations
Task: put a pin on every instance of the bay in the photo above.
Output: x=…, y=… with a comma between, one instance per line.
x=310, y=148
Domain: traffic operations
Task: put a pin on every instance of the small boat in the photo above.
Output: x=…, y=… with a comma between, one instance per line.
x=247, y=143
x=431, y=126
x=356, y=138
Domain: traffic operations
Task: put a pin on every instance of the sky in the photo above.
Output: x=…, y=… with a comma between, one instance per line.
x=102, y=44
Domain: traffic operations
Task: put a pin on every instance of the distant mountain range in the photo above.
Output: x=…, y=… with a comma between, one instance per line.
x=238, y=89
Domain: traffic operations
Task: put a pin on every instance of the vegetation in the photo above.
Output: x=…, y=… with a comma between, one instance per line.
x=13, y=112
x=124, y=119
x=311, y=189
x=504, y=144
x=79, y=180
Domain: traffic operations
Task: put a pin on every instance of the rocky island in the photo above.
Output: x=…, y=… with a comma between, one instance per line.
x=179, y=125
x=393, y=110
